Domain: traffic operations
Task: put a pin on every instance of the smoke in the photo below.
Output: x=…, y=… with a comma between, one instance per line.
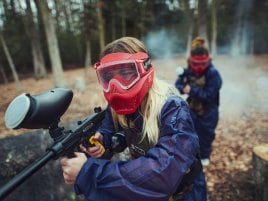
x=167, y=43
x=245, y=84
x=163, y=44
x=241, y=43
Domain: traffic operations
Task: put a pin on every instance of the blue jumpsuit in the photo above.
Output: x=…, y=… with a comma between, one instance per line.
x=208, y=95
x=154, y=176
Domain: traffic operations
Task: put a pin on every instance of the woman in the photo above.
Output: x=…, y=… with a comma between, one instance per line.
x=202, y=82
x=157, y=129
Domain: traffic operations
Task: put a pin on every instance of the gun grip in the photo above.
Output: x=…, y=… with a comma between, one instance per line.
x=92, y=141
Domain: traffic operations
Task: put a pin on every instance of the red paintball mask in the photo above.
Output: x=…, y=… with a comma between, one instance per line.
x=125, y=79
x=199, y=64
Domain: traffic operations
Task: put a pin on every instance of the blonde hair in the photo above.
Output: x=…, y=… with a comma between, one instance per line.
x=150, y=110
x=151, y=105
x=124, y=44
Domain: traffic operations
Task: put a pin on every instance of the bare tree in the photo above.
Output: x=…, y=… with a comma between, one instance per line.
x=113, y=8
x=11, y=63
x=3, y=74
x=101, y=24
x=202, y=19
x=88, y=60
x=241, y=40
x=189, y=16
x=214, y=32
x=38, y=58
x=63, y=14
x=145, y=16
x=142, y=17
x=123, y=17
x=89, y=28
x=52, y=43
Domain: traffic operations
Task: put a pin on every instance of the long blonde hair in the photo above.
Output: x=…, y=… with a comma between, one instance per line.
x=151, y=105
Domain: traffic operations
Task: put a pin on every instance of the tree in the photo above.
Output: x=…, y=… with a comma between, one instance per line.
x=123, y=18
x=101, y=24
x=89, y=27
x=38, y=59
x=214, y=32
x=52, y=43
x=241, y=40
x=202, y=18
x=3, y=74
x=11, y=63
x=189, y=16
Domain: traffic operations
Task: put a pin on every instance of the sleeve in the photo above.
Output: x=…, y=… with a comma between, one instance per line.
x=211, y=89
x=179, y=83
x=153, y=177
x=107, y=128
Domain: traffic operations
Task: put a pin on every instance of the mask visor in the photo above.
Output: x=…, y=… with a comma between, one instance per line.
x=199, y=62
x=123, y=73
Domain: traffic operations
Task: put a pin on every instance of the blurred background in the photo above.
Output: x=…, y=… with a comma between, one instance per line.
x=39, y=36
x=54, y=43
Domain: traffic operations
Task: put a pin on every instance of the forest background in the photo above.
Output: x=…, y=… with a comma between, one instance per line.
x=54, y=43
x=55, y=35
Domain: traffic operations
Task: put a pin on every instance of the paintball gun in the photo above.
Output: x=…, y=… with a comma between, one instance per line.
x=185, y=76
x=183, y=79
x=43, y=111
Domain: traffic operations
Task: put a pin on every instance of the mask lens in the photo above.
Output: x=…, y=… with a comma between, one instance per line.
x=199, y=64
x=125, y=74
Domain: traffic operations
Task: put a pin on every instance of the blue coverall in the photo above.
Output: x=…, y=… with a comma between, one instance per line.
x=153, y=177
x=208, y=95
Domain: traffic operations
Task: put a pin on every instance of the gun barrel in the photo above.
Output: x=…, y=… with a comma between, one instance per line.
x=63, y=146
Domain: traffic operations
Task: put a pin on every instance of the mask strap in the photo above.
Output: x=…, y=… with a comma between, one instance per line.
x=147, y=64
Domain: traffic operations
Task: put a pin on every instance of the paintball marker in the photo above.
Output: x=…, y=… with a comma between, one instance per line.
x=44, y=111
x=182, y=78
x=185, y=76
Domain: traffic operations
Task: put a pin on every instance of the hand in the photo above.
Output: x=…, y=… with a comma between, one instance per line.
x=186, y=89
x=72, y=166
x=96, y=151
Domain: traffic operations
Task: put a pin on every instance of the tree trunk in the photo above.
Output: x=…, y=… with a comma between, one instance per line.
x=3, y=74
x=202, y=19
x=66, y=13
x=88, y=61
x=101, y=25
x=11, y=63
x=214, y=28
x=141, y=24
x=189, y=22
x=236, y=43
x=52, y=43
x=123, y=18
x=189, y=40
x=38, y=59
x=260, y=171
x=241, y=39
x=113, y=24
x=57, y=5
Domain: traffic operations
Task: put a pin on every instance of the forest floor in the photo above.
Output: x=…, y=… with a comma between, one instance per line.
x=243, y=116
